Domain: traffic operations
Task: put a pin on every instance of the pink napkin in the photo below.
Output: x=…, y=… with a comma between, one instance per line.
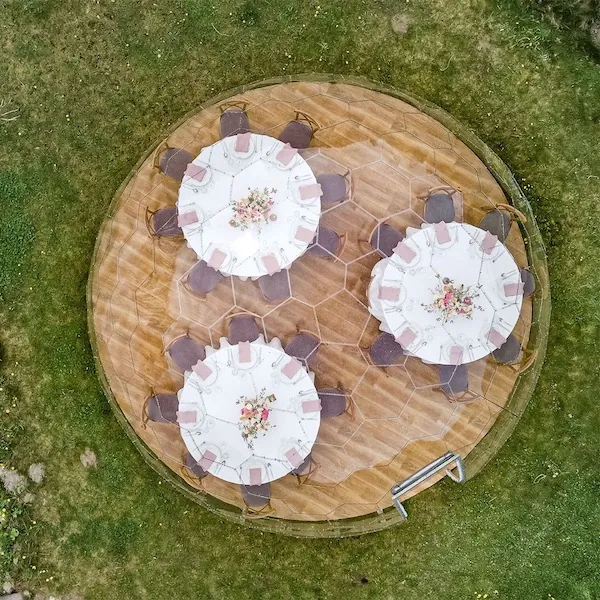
x=303, y=234
x=195, y=172
x=271, y=263
x=456, y=355
x=441, y=233
x=286, y=154
x=255, y=476
x=496, y=338
x=208, y=458
x=187, y=218
x=310, y=406
x=203, y=371
x=217, y=258
x=291, y=368
x=186, y=416
x=310, y=191
x=513, y=289
x=294, y=458
x=404, y=252
x=242, y=142
x=244, y=350
x=407, y=337
x=389, y=293
x=489, y=242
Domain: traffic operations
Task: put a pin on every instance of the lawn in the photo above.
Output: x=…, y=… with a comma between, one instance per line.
x=95, y=84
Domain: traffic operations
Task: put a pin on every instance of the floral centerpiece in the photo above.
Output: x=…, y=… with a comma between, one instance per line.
x=452, y=300
x=254, y=209
x=254, y=415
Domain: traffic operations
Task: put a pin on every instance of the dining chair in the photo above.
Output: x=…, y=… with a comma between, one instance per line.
x=163, y=222
x=242, y=328
x=304, y=471
x=160, y=408
x=454, y=383
x=513, y=355
x=336, y=188
x=499, y=220
x=299, y=132
x=275, y=288
x=201, y=279
x=191, y=471
x=304, y=347
x=528, y=281
x=171, y=161
x=384, y=239
x=185, y=352
x=327, y=243
x=439, y=205
x=385, y=350
x=233, y=119
x=335, y=402
x=257, y=499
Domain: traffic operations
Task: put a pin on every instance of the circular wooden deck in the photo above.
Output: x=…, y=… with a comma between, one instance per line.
x=394, y=153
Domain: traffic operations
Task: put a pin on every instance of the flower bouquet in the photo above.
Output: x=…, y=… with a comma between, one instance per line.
x=254, y=416
x=452, y=300
x=254, y=209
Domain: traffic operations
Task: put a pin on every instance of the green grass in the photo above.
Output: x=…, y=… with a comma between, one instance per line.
x=96, y=83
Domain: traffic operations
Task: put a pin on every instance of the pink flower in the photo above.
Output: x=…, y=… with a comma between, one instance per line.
x=265, y=414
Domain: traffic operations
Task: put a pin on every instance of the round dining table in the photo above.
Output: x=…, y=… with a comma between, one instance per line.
x=229, y=171
x=404, y=287
x=211, y=403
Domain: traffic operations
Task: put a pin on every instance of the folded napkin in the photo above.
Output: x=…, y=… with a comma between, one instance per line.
x=407, y=337
x=186, y=416
x=441, y=233
x=404, y=252
x=286, y=154
x=203, y=371
x=310, y=406
x=294, y=458
x=389, y=293
x=255, y=475
x=489, y=242
x=217, y=258
x=303, y=234
x=187, y=218
x=208, y=458
x=496, y=338
x=242, y=142
x=456, y=355
x=195, y=172
x=271, y=263
x=244, y=350
x=310, y=191
x=291, y=368
x=513, y=289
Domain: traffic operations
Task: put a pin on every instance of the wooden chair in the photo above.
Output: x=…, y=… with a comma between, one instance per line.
x=299, y=132
x=162, y=223
x=257, y=500
x=454, y=383
x=335, y=402
x=160, y=408
x=191, y=466
x=327, y=243
x=171, y=161
x=439, y=205
x=498, y=220
x=304, y=471
x=233, y=119
x=336, y=188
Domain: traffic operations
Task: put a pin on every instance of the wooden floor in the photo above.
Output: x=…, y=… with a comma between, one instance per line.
x=394, y=153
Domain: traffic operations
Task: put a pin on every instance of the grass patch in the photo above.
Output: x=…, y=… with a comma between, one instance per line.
x=96, y=83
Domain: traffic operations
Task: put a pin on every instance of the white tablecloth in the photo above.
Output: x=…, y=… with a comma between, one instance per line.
x=229, y=177
x=217, y=429
x=463, y=261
